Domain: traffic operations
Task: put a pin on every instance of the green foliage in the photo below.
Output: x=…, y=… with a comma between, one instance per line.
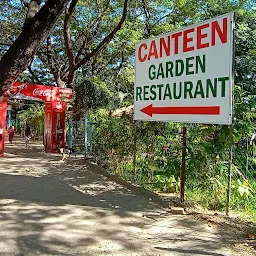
x=158, y=155
x=34, y=116
x=245, y=36
x=11, y=21
x=90, y=94
x=167, y=184
x=243, y=190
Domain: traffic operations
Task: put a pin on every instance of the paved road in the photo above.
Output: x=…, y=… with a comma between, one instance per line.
x=48, y=207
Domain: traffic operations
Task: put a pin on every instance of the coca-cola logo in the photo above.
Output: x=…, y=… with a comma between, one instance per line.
x=13, y=90
x=45, y=93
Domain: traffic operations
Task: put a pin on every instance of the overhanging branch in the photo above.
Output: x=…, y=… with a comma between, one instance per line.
x=87, y=37
x=25, y=3
x=67, y=39
x=106, y=39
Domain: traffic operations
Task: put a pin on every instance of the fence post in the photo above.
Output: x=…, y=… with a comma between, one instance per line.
x=91, y=127
x=183, y=164
x=85, y=135
x=70, y=135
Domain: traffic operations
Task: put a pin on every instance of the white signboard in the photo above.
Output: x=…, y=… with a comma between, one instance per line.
x=186, y=75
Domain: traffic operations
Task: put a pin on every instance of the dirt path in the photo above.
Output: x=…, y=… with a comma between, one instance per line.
x=48, y=207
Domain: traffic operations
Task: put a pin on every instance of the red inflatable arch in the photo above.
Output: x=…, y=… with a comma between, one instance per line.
x=55, y=108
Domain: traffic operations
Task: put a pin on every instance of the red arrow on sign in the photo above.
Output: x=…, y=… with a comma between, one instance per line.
x=186, y=110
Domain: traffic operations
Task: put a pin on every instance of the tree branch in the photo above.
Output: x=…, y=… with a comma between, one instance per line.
x=33, y=8
x=35, y=78
x=165, y=16
x=88, y=38
x=49, y=54
x=53, y=66
x=67, y=39
x=80, y=51
x=147, y=14
x=99, y=19
x=106, y=39
x=26, y=4
x=102, y=67
x=148, y=26
x=5, y=43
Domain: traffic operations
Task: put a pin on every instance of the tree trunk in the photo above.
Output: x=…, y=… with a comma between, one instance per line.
x=33, y=8
x=59, y=82
x=19, y=55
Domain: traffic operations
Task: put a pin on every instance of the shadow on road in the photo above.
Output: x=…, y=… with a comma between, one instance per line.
x=51, y=190
x=48, y=207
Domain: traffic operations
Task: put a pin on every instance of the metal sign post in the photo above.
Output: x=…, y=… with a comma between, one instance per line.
x=134, y=149
x=183, y=164
x=229, y=168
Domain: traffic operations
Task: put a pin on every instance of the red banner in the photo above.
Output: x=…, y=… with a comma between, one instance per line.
x=3, y=109
x=54, y=123
x=35, y=91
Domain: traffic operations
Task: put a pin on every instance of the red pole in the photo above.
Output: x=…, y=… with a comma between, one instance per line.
x=3, y=110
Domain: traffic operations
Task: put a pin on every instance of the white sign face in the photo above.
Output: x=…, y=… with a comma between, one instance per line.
x=186, y=75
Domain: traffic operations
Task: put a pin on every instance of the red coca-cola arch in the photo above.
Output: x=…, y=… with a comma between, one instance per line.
x=55, y=108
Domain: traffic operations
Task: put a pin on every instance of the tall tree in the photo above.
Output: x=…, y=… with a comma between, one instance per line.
x=78, y=47
x=87, y=29
x=35, y=31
